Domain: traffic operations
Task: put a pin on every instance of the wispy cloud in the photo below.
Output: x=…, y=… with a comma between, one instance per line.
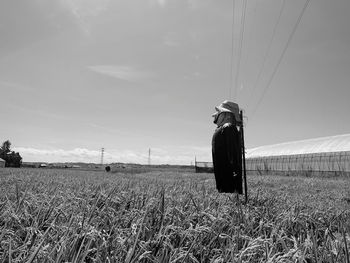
x=178, y=155
x=170, y=39
x=161, y=3
x=14, y=85
x=82, y=10
x=107, y=129
x=59, y=155
x=35, y=112
x=122, y=72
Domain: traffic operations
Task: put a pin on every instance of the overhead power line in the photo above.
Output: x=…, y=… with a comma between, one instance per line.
x=282, y=55
x=240, y=47
x=232, y=46
x=267, y=54
x=248, y=37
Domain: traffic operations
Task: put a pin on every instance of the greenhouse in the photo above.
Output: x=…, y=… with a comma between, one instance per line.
x=326, y=154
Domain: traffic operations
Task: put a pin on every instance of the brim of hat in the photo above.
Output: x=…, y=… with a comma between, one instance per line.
x=215, y=113
x=220, y=109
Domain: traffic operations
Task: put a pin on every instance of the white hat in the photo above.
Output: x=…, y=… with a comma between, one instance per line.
x=228, y=106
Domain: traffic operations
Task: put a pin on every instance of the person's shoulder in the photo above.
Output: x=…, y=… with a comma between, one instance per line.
x=227, y=126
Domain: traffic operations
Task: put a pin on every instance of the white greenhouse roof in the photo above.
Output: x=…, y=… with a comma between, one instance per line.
x=338, y=143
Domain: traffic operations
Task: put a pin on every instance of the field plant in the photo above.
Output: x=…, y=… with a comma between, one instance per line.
x=81, y=216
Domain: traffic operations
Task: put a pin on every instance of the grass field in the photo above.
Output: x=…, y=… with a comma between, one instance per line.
x=168, y=216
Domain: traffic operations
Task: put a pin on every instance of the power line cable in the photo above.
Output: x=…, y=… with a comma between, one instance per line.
x=249, y=38
x=244, y=8
x=282, y=55
x=232, y=46
x=267, y=54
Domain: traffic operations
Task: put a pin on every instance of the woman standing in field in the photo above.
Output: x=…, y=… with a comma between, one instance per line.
x=226, y=149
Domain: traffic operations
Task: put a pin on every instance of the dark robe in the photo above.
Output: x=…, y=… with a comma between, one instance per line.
x=227, y=159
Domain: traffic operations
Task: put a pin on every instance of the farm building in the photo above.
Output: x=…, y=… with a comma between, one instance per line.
x=204, y=167
x=326, y=154
x=2, y=163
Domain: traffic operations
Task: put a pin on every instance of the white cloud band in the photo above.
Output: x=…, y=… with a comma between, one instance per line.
x=121, y=72
x=180, y=155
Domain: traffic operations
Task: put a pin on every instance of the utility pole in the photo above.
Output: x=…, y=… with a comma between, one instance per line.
x=149, y=156
x=102, y=153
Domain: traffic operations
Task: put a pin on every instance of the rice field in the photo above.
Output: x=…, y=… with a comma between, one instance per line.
x=49, y=215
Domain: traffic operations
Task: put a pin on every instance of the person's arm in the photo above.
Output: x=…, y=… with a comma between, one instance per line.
x=232, y=146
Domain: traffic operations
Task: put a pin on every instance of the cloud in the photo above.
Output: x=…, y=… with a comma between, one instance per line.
x=122, y=72
x=178, y=155
x=83, y=10
x=193, y=3
x=13, y=85
x=74, y=155
x=171, y=39
x=161, y=3
x=59, y=155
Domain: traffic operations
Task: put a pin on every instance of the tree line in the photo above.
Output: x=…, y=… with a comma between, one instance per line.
x=11, y=158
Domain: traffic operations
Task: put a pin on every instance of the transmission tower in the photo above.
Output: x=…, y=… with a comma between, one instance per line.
x=102, y=153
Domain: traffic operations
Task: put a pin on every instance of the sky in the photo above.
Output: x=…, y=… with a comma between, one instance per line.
x=134, y=75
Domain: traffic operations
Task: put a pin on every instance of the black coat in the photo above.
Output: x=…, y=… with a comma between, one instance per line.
x=227, y=159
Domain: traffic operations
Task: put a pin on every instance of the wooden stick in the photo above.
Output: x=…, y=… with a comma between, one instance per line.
x=243, y=159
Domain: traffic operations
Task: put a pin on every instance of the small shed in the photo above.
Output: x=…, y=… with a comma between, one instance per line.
x=2, y=163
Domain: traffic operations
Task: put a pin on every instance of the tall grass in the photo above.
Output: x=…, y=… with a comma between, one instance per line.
x=77, y=216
